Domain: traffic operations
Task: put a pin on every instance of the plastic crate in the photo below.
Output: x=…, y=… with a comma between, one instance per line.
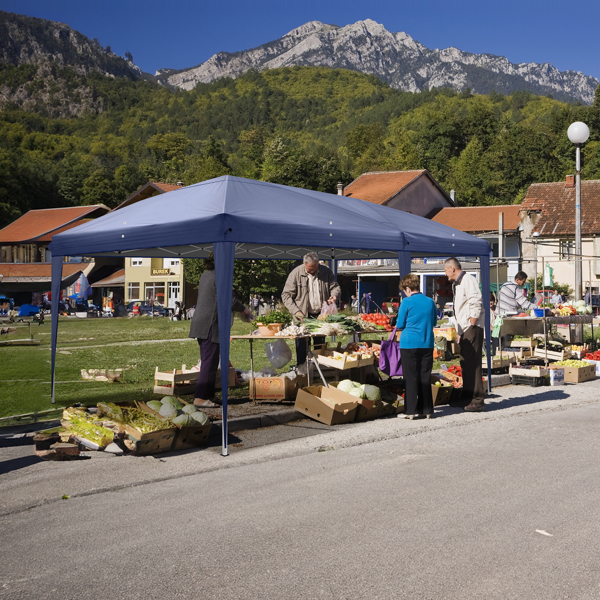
x=530, y=381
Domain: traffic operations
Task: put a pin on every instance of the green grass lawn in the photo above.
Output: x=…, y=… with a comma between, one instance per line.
x=85, y=344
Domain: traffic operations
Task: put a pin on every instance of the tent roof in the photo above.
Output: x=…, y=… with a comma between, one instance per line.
x=265, y=220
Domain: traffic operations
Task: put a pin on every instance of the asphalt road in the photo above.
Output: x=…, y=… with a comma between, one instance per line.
x=500, y=505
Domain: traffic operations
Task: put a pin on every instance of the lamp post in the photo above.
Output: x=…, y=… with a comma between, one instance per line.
x=535, y=235
x=578, y=134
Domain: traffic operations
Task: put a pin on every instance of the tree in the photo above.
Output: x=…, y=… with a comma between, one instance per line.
x=265, y=277
x=129, y=56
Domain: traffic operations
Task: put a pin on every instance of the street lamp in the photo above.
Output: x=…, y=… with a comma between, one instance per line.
x=535, y=235
x=578, y=133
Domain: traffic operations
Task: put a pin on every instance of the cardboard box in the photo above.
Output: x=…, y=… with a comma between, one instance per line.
x=441, y=395
x=183, y=381
x=596, y=363
x=276, y=388
x=579, y=374
x=448, y=332
x=149, y=443
x=369, y=409
x=327, y=405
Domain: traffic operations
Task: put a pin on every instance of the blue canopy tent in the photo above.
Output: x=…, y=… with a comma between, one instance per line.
x=243, y=218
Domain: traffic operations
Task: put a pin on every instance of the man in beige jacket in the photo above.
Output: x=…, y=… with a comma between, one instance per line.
x=470, y=323
x=305, y=290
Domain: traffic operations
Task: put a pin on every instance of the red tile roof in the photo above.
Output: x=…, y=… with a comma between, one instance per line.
x=379, y=187
x=38, y=269
x=555, y=203
x=152, y=188
x=117, y=279
x=48, y=237
x=471, y=219
x=44, y=222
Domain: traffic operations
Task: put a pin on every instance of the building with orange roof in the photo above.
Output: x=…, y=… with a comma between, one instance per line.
x=415, y=192
x=156, y=280
x=548, y=222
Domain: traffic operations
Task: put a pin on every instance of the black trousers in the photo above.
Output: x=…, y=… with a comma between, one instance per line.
x=416, y=368
x=471, y=346
x=207, y=378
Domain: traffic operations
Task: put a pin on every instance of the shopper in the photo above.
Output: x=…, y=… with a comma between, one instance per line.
x=305, y=290
x=556, y=298
x=511, y=299
x=205, y=328
x=416, y=319
x=255, y=305
x=469, y=315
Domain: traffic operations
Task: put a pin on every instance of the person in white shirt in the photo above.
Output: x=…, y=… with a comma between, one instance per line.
x=556, y=298
x=470, y=319
x=512, y=298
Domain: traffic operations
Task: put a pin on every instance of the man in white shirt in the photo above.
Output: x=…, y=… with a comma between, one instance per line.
x=470, y=319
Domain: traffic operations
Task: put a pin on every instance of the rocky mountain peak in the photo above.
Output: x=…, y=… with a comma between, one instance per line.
x=368, y=47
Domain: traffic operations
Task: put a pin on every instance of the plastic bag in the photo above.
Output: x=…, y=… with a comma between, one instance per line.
x=328, y=309
x=278, y=353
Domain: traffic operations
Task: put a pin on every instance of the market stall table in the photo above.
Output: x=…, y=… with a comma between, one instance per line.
x=307, y=337
x=528, y=326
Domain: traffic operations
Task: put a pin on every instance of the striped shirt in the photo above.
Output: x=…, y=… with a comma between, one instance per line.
x=512, y=300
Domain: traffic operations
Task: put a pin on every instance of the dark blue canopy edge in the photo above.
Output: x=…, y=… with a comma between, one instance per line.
x=243, y=218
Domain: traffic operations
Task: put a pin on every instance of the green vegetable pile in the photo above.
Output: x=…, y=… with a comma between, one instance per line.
x=134, y=417
x=275, y=316
x=177, y=413
x=84, y=425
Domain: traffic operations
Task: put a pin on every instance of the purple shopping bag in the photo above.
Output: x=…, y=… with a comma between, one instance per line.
x=389, y=356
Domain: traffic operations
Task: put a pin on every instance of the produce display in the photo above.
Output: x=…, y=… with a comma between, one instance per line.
x=363, y=391
x=381, y=321
x=177, y=413
x=292, y=330
x=134, y=417
x=576, y=364
x=87, y=426
x=593, y=355
x=568, y=309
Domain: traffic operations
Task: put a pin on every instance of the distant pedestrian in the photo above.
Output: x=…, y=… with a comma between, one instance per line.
x=272, y=303
x=255, y=305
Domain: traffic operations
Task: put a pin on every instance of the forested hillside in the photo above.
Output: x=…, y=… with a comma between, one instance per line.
x=304, y=126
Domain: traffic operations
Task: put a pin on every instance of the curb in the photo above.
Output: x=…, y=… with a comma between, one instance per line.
x=280, y=417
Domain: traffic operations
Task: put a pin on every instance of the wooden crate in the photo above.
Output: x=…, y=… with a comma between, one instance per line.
x=530, y=343
x=183, y=381
x=552, y=355
x=497, y=363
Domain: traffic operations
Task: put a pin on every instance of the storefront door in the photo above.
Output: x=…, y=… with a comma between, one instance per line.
x=173, y=294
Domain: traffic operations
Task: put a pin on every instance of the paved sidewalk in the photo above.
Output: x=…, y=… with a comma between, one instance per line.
x=27, y=481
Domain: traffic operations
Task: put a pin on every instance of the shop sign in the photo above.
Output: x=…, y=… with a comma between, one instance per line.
x=161, y=271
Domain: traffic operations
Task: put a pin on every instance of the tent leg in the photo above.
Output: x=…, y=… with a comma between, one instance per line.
x=57, y=266
x=224, y=257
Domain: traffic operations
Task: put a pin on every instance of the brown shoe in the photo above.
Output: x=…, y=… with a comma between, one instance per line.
x=474, y=407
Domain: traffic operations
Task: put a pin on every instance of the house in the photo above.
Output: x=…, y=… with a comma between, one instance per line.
x=484, y=222
x=548, y=222
x=156, y=280
x=25, y=261
x=415, y=192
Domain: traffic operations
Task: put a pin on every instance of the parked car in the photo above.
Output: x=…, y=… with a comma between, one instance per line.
x=391, y=305
x=145, y=308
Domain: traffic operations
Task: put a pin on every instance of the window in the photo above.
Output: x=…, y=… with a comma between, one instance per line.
x=567, y=249
x=136, y=262
x=133, y=290
x=155, y=293
x=170, y=262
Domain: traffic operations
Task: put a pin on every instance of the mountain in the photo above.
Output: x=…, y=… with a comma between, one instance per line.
x=398, y=59
x=47, y=66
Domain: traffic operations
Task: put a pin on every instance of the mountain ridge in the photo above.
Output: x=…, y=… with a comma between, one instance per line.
x=404, y=63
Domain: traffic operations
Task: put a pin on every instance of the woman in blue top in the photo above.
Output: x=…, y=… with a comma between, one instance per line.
x=416, y=319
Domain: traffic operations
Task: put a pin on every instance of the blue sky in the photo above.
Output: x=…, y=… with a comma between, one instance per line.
x=185, y=33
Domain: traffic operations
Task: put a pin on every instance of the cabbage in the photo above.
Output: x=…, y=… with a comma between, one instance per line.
x=183, y=420
x=588, y=310
x=200, y=417
x=372, y=392
x=155, y=405
x=579, y=303
x=171, y=401
x=346, y=385
x=168, y=411
x=358, y=392
x=188, y=409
